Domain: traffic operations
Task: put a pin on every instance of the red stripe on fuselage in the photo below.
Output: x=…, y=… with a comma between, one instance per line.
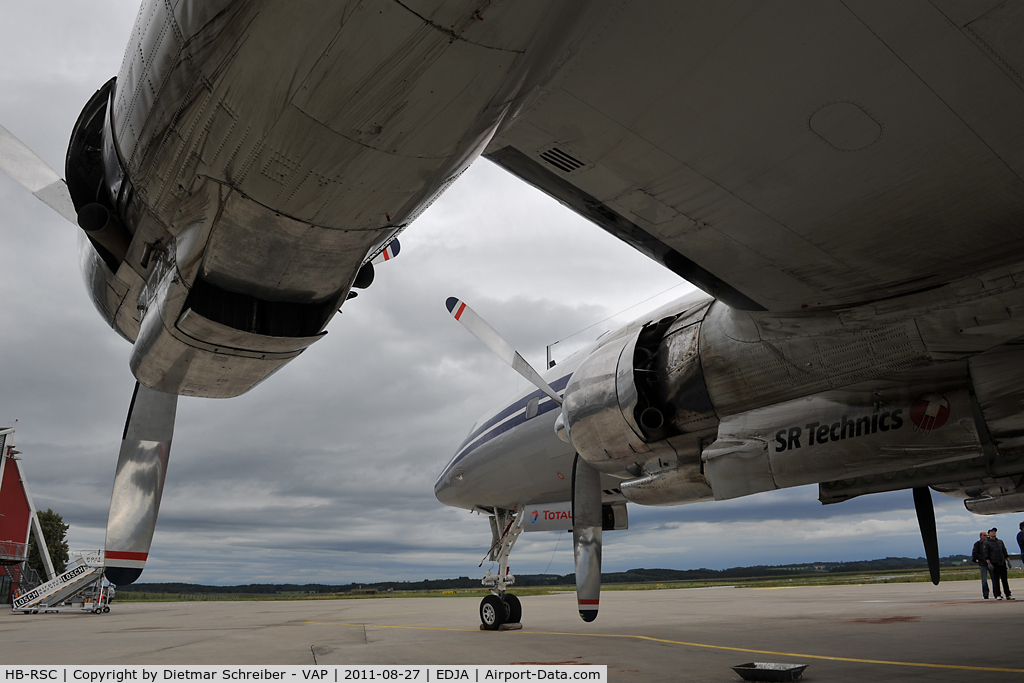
x=589, y=602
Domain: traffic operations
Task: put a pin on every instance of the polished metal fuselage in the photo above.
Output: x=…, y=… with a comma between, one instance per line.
x=259, y=152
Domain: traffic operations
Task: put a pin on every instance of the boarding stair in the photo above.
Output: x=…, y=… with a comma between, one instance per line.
x=16, y=578
x=12, y=552
x=84, y=570
x=13, y=566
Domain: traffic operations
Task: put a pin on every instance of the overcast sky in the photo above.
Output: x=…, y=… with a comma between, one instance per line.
x=324, y=473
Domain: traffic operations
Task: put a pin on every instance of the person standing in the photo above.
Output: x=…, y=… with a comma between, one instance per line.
x=978, y=558
x=996, y=557
x=1020, y=541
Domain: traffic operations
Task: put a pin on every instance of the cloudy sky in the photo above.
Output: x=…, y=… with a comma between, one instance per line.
x=324, y=473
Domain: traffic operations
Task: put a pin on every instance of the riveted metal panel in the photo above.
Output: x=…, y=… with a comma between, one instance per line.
x=743, y=371
x=998, y=379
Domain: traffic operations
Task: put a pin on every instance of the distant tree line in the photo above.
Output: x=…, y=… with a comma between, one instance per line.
x=629, y=576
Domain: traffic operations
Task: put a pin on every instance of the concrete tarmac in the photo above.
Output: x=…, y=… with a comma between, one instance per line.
x=911, y=632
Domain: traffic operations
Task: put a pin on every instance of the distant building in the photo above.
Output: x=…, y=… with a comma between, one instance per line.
x=17, y=520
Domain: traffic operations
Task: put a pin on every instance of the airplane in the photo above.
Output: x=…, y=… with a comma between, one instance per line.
x=844, y=184
x=842, y=178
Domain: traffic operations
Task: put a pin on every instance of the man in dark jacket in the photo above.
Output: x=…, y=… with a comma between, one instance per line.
x=996, y=557
x=1020, y=540
x=978, y=558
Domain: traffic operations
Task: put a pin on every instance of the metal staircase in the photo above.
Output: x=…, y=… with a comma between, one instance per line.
x=85, y=569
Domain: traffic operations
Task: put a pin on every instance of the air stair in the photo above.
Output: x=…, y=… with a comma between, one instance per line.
x=85, y=570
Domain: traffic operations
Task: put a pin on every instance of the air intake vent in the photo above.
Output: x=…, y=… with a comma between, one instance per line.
x=257, y=316
x=561, y=160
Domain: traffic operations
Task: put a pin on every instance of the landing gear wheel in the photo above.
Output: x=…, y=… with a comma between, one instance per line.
x=515, y=609
x=106, y=609
x=492, y=612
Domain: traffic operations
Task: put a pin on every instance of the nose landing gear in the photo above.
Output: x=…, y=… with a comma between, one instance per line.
x=501, y=610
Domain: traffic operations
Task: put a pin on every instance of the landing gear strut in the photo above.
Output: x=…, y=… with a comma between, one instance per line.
x=500, y=608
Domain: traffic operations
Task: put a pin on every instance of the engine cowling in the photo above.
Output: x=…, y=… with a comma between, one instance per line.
x=599, y=405
x=634, y=392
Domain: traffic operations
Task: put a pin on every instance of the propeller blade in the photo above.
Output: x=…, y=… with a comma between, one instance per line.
x=389, y=253
x=926, y=520
x=26, y=168
x=586, y=536
x=139, y=483
x=497, y=344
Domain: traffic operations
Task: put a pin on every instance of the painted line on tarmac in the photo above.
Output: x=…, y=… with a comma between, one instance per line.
x=925, y=665
x=789, y=588
x=347, y=621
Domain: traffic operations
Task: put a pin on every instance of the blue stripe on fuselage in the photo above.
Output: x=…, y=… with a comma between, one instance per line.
x=557, y=385
x=481, y=435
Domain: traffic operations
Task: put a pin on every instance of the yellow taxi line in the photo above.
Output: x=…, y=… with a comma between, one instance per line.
x=958, y=667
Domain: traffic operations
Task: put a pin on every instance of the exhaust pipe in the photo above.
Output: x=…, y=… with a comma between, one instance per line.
x=105, y=229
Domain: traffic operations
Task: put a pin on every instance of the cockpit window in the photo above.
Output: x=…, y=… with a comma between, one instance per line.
x=531, y=407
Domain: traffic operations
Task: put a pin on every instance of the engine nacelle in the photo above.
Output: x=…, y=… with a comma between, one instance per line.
x=634, y=392
x=599, y=406
x=683, y=484
x=996, y=505
x=673, y=478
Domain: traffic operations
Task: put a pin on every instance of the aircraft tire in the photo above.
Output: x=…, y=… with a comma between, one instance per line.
x=106, y=609
x=492, y=612
x=515, y=609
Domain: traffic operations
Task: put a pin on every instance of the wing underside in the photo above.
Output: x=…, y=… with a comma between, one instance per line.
x=789, y=155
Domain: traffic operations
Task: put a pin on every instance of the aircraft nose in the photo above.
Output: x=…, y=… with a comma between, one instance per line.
x=439, y=487
x=447, y=485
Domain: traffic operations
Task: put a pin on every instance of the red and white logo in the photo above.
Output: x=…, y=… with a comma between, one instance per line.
x=929, y=413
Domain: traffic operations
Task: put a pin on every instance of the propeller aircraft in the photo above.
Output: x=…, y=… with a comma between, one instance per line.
x=842, y=180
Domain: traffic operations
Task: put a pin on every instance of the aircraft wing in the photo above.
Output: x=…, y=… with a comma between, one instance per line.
x=782, y=155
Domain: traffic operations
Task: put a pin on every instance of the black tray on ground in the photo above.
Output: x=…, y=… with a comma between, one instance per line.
x=769, y=671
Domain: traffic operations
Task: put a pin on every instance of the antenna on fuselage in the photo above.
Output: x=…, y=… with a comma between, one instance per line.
x=497, y=344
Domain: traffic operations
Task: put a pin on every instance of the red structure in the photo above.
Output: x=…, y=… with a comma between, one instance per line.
x=15, y=509
x=17, y=512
